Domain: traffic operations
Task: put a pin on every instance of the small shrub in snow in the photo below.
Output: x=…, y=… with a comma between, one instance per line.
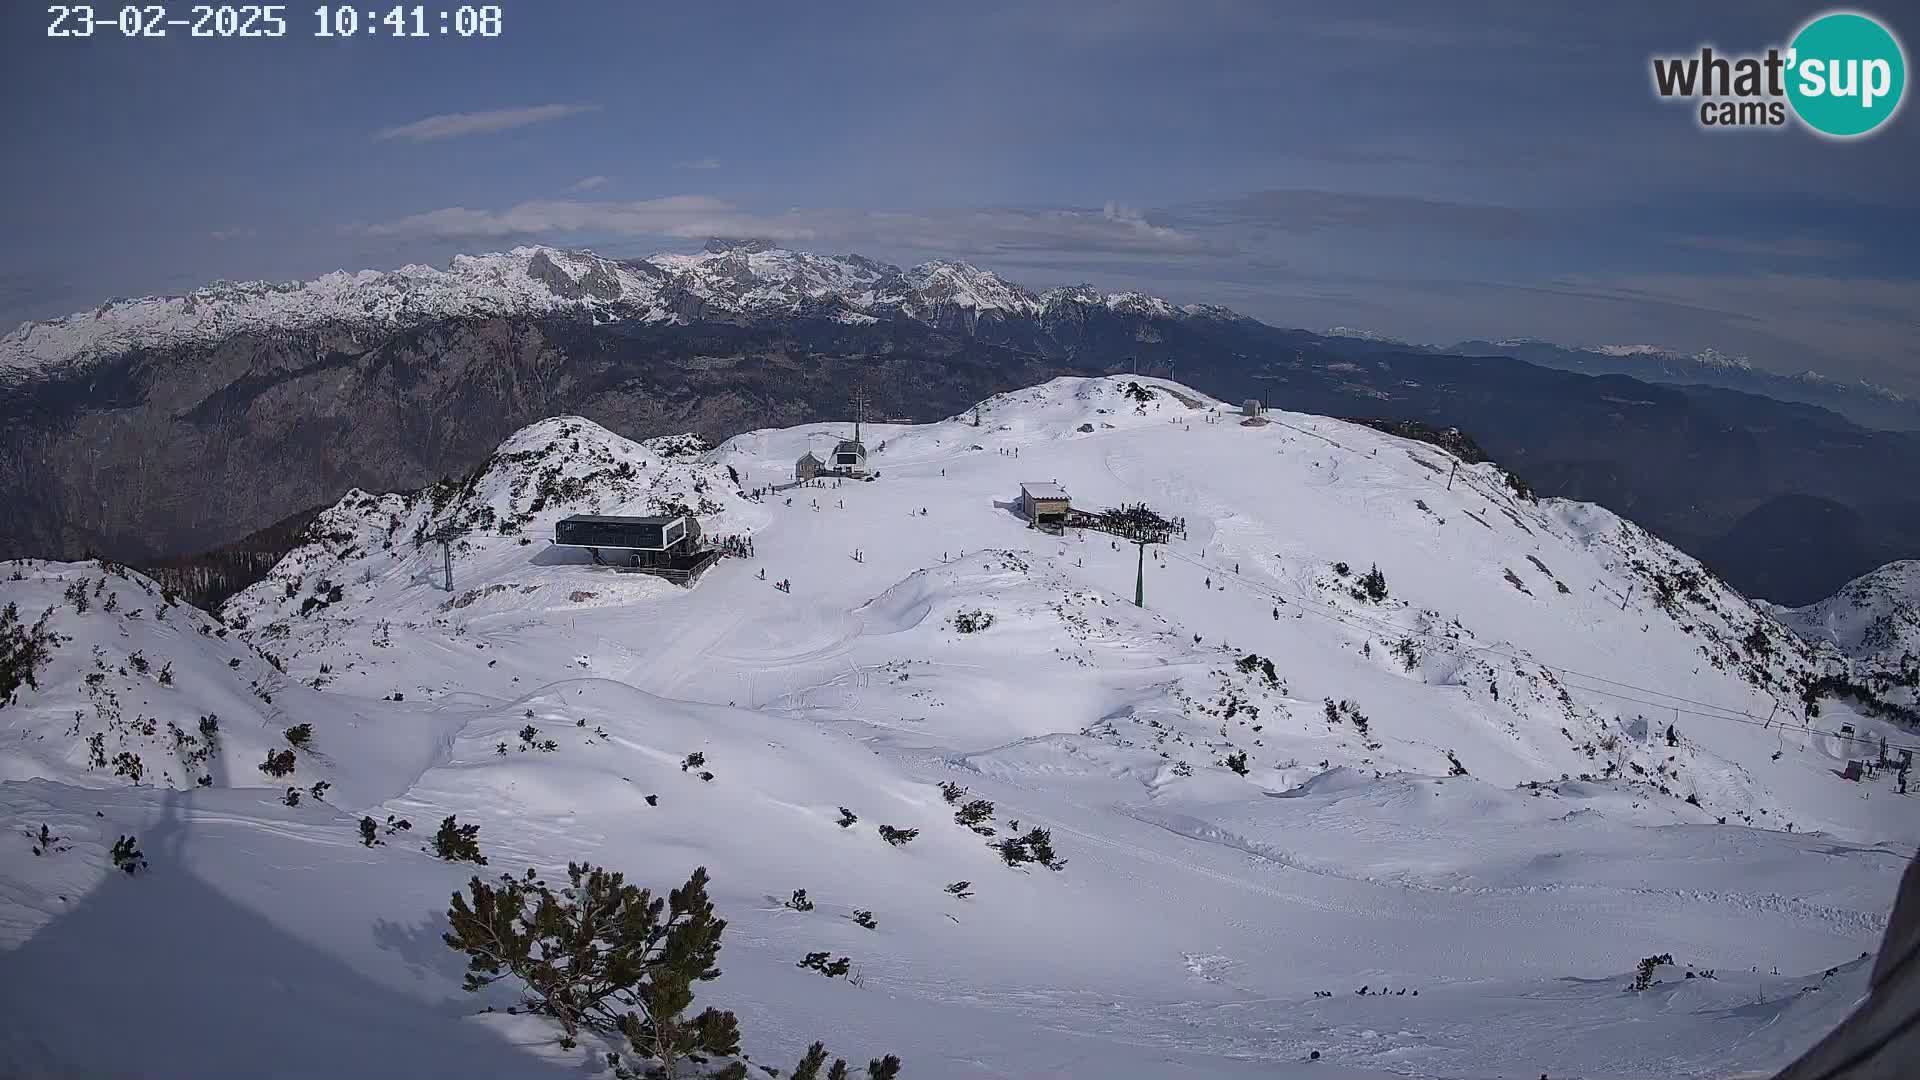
x=1035, y=846
x=530, y=740
x=370, y=832
x=886, y=1068
x=128, y=765
x=961, y=889
x=847, y=818
x=45, y=842
x=817, y=961
x=799, y=902
x=292, y=797
x=1643, y=975
x=951, y=792
x=455, y=842
x=299, y=735
x=975, y=815
x=1237, y=761
x=127, y=856
x=972, y=622
x=705, y=775
x=139, y=662
x=1408, y=651
x=1341, y=568
x=1454, y=768
x=1372, y=586
x=861, y=916
x=279, y=763
x=166, y=674
x=693, y=761
x=897, y=837
x=397, y=825
x=1253, y=662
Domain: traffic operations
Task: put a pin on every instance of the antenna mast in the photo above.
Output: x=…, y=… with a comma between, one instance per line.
x=859, y=403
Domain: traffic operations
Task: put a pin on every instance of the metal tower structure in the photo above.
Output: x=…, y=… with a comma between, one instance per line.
x=445, y=536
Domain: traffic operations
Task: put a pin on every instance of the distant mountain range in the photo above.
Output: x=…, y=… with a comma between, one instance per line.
x=1862, y=402
x=146, y=429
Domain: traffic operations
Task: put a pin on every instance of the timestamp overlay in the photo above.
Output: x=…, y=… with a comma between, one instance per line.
x=243, y=21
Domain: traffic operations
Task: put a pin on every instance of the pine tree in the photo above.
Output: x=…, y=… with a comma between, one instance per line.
x=279, y=763
x=299, y=735
x=974, y=815
x=603, y=955
x=951, y=792
x=369, y=832
x=455, y=842
x=847, y=818
x=127, y=856
x=897, y=837
x=1039, y=843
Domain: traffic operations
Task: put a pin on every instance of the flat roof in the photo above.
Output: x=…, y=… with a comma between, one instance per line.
x=1045, y=490
x=613, y=519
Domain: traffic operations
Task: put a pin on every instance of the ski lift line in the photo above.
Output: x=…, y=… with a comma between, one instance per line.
x=1728, y=714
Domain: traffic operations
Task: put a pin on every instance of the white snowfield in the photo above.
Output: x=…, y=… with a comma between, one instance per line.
x=1459, y=798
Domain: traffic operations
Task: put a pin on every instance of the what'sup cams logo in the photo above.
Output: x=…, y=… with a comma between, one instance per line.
x=1843, y=75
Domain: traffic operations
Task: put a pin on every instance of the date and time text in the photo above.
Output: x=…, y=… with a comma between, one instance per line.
x=242, y=21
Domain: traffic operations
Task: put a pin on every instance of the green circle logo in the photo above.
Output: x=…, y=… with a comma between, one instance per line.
x=1846, y=74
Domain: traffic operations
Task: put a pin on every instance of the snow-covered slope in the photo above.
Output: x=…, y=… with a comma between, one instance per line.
x=1268, y=783
x=1875, y=617
x=727, y=279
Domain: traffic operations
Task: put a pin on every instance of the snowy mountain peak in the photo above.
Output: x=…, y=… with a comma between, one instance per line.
x=726, y=277
x=1363, y=335
x=1874, y=617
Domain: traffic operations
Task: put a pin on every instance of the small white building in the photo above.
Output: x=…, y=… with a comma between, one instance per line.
x=1250, y=407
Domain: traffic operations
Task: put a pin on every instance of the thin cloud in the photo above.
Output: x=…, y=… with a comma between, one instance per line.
x=1793, y=246
x=235, y=233
x=455, y=125
x=1018, y=233
x=590, y=183
x=698, y=163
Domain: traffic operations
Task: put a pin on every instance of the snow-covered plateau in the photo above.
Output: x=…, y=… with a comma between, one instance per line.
x=1397, y=772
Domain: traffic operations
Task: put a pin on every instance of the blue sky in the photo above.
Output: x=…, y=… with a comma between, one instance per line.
x=1407, y=167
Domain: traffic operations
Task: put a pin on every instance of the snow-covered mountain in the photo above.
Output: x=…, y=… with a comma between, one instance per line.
x=1876, y=617
x=729, y=278
x=1709, y=357
x=1540, y=746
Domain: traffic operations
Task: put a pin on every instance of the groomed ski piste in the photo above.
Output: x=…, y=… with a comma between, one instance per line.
x=1461, y=825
